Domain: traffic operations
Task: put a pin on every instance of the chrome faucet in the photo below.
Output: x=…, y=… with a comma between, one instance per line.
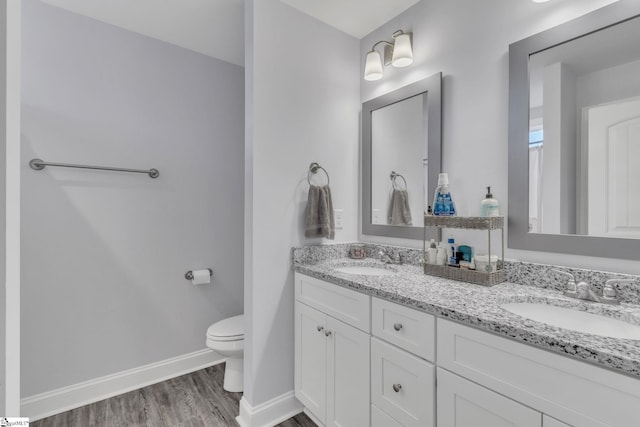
x=584, y=291
x=386, y=258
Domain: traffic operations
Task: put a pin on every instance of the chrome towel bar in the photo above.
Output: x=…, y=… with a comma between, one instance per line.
x=38, y=164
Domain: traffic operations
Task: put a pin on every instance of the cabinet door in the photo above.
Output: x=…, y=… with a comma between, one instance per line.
x=402, y=385
x=462, y=403
x=347, y=375
x=310, y=359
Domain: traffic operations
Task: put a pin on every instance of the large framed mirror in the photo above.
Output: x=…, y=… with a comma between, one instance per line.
x=401, y=158
x=574, y=136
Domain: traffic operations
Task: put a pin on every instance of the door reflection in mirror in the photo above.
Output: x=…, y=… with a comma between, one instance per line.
x=584, y=97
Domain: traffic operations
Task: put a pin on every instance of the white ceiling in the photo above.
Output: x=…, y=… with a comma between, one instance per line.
x=211, y=27
x=355, y=17
x=216, y=27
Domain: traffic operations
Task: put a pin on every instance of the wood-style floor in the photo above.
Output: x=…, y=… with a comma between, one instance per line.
x=192, y=400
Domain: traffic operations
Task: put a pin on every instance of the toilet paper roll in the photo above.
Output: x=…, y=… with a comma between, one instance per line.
x=201, y=277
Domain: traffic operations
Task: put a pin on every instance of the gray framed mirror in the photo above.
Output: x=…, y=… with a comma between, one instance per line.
x=574, y=136
x=401, y=158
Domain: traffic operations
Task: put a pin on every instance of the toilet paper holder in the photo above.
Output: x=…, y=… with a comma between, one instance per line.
x=189, y=274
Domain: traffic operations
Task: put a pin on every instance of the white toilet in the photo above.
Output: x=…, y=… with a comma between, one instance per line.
x=227, y=338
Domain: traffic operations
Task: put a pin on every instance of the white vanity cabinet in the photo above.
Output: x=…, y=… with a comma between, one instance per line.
x=362, y=361
x=402, y=375
x=562, y=391
x=462, y=403
x=332, y=352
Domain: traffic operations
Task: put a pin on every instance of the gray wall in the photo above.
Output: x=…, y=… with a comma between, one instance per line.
x=302, y=106
x=104, y=254
x=3, y=203
x=608, y=85
x=10, y=208
x=468, y=42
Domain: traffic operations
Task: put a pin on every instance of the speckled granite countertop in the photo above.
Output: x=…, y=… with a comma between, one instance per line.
x=479, y=306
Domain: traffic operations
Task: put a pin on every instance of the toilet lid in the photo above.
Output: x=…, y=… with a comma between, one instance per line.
x=230, y=327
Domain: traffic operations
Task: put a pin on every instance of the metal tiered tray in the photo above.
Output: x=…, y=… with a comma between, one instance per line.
x=469, y=223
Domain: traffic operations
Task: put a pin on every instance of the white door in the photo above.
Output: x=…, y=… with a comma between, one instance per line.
x=462, y=403
x=310, y=359
x=347, y=375
x=613, y=146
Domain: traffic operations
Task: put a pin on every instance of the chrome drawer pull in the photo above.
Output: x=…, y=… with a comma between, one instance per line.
x=327, y=333
x=320, y=328
x=397, y=387
x=397, y=326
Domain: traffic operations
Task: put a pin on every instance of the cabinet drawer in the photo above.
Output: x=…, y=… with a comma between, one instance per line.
x=344, y=304
x=409, y=329
x=380, y=419
x=575, y=392
x=402, y=385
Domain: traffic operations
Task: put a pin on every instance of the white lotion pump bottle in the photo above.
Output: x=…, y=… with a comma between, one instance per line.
x=432, y=253
x=441, y=254
x=489, y=206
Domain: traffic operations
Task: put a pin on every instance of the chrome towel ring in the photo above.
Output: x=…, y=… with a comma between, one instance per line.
x=313, y=169
x=393, y=176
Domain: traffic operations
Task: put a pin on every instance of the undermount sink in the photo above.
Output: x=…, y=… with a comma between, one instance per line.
x=365, y=271
x=575, y=320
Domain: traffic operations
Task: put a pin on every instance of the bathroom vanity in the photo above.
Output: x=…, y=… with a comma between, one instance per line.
x=402, y=348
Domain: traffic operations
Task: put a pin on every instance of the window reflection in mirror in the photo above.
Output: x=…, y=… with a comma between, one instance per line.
x=584, y=135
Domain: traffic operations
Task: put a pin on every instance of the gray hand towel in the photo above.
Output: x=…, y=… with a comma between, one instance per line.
x=319, y=221
x=399, y=212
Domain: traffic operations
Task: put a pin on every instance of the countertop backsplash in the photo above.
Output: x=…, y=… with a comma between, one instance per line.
x=540, y=275
x=519, y=272
x=314, y=254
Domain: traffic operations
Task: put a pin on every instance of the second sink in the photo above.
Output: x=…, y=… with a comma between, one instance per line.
x=575, y=320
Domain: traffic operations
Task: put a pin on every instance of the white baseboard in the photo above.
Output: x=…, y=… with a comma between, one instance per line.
x=269, y=413
x=312, y=417
x=63, y=399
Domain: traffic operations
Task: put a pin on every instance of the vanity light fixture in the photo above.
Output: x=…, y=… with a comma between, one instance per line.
x=539, y=1
x=402, y=50
x=399, y=54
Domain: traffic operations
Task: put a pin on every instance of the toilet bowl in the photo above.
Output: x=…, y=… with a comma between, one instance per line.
x=226, y=337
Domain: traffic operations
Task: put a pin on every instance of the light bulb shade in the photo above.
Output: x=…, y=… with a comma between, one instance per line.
x=402, y=51
x=373, y=66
